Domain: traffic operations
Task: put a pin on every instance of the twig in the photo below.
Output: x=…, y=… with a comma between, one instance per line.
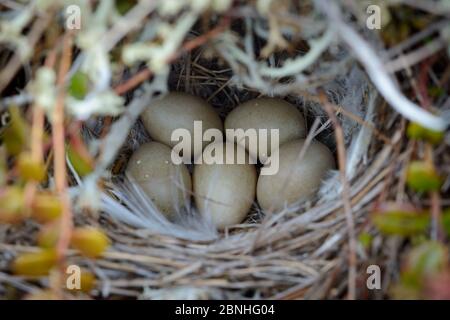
x=133, y=82
x=339, y=133
x=416, y=38
x=16, y=100
x=14, y=64
x=190, y=45
x=405, y=61
x=377, y=72
x=130, y=21
x=292, y=67
x=435, y=198
x=39, y=119
x=437, y=233
x=37, y=137
x=58, y=137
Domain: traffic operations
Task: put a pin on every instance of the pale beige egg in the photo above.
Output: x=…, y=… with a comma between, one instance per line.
x=297, y=178
x=266, y=113
x=224, y=192
x=166, y=184
x=178, y=110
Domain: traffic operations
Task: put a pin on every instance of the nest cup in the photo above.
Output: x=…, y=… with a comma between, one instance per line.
x=298, y=252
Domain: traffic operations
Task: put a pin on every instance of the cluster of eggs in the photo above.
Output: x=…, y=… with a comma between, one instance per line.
x=224, y=193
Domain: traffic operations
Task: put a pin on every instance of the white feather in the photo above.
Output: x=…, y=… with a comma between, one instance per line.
x=360, y=144
x=130, y=205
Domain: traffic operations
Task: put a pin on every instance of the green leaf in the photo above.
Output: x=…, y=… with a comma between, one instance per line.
x=79, y=85
x=30, y=169
x=35, y=263
x=411, y=279
x=404, y=290
x=401, y=223
x=416, y=131
x=428, y=258
x=422, y=177
x=90, y=241
x=12, y=208
x=436, y=91
x=81, y=165
x=365, y=239
x=15, y=135
x=123, y=6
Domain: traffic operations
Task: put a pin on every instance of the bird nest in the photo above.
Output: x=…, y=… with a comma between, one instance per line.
x=301, y=251
x=231, y=55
